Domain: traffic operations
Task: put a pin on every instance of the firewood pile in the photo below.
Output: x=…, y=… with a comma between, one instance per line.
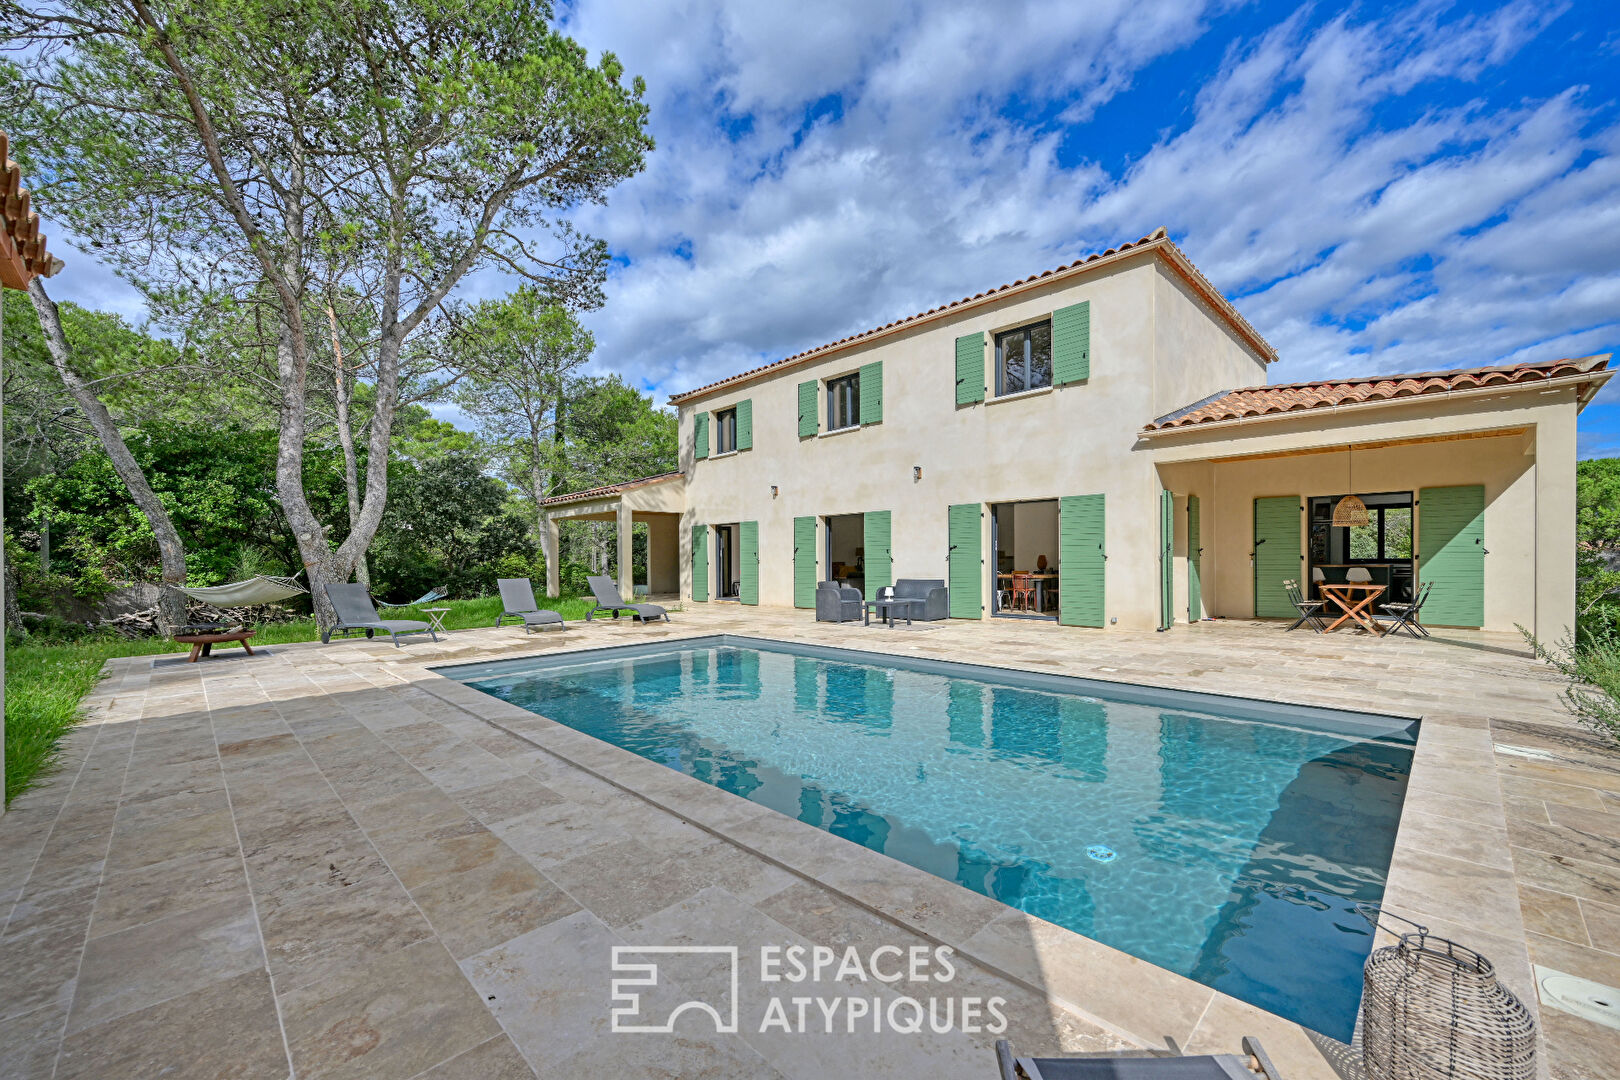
x=139, y=624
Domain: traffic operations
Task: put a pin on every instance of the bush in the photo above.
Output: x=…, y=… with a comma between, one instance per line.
x=1591, y=663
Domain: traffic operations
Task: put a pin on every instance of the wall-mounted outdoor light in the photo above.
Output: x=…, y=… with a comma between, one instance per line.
x=916, y=472
x=773, y=491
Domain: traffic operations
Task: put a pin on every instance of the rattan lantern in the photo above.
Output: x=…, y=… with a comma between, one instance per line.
x=1350, y=509
x=1433, y=1010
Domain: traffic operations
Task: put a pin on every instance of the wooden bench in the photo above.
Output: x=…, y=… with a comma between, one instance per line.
x=203, y=644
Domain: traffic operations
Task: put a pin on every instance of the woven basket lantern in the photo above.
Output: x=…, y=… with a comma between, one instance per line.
x=1434, y=1010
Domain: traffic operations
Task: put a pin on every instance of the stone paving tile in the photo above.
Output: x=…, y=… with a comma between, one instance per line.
x=497, y=1059
x=489, y=904
x=227, y=1028
x=162, y=889
x=159, y=960
x=28, y=1043
x=392, y=1015
x=325, y=934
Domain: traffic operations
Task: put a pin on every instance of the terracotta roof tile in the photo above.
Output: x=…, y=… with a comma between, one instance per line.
x=22, y=245
x=1329, y=393
x=1158, y=238
x=609, y=489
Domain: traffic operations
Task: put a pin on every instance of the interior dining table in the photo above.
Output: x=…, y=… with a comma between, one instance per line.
x=1343, y=595
x=1004, y=581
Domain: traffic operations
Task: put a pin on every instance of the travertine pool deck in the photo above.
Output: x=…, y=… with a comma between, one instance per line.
x=331, y=861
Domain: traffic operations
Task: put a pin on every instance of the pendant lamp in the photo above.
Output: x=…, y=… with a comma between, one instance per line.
x=1350, y=509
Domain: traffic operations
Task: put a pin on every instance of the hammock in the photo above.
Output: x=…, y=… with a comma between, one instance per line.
x=255, y=590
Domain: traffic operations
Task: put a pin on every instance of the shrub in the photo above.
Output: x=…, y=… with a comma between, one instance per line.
x=1591, y=663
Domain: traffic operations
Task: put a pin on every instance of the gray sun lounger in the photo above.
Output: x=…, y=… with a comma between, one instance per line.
x=1252, y=1065
x=517, y=600
x=607, y=599
x=356, y=612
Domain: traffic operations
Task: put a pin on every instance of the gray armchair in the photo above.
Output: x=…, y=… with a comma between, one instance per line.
x=936, y=598
x=837, y=603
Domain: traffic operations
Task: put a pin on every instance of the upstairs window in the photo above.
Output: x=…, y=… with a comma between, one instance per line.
x=1024, y=358
x=844, y=402
x=725, y=431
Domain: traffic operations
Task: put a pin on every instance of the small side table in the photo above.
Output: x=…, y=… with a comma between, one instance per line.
x=436, y=617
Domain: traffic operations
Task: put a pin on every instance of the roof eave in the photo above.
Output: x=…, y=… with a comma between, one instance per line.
x=1595, y=379
x=1162, y=245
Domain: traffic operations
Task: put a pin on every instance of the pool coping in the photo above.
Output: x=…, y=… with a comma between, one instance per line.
x=1453, y=802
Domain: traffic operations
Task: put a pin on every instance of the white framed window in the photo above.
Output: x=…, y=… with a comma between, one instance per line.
x=844, y=402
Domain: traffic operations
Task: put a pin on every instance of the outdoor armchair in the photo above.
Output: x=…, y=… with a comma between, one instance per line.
x=607, y=599
x=934, y=597
x=517, y=601
x=837, y=603
x=355, y=612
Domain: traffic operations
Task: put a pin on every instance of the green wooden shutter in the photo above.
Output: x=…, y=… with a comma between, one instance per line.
x=804, y=562
x=745, y=424
x=1276, y=555
x=809, y=419
x=1082, y=555
x=700, y=562
x=1451, y=554
x=879, y=562
x=965, y=560
x=872, y=392
x=700, y=435
x=1071, y=343
x=1195, y=562
x=1167, y=559
x=748, y=557
x=969, y=368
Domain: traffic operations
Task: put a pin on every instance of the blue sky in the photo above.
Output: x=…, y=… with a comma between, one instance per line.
x=1379, y=188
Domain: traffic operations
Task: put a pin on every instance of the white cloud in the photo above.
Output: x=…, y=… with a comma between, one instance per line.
x=1349, y=183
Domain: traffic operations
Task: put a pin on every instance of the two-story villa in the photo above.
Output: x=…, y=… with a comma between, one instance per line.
x=1096, y=446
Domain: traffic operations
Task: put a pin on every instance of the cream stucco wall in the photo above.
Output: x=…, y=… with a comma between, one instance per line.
x=1528, y=476
x=1152, y=350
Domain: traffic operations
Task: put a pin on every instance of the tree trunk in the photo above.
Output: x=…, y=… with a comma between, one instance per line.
x=351, y=469
x=13, y=612
x=171, y=552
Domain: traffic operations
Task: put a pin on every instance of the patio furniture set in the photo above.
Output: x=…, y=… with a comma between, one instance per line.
x=919, y=599
x=1355, y=601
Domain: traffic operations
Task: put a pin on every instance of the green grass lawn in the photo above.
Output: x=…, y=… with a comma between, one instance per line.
x=46, y=682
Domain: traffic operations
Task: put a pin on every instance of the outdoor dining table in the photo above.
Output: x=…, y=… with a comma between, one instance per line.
x=1341, y=594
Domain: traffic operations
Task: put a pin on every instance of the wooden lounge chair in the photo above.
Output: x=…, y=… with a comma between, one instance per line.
x=1253, y=1064
x=607, y=599
x=355, y=612
x=517, y=600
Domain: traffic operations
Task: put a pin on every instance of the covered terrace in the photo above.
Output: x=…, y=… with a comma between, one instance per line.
x=654, y=501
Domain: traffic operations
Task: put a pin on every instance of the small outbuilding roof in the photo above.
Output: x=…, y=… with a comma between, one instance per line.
x=1257, y=401
x=611, y=489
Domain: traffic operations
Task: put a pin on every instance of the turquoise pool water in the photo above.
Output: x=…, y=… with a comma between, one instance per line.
x=1225, y=839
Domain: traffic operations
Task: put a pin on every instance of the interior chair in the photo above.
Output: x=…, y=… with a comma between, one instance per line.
x=1023, y=592
x=1358, y=575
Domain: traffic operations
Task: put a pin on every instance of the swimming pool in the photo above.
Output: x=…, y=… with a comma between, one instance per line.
x=1225, y=839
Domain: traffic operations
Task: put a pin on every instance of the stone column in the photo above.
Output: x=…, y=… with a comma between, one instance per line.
x=551, y=547
x=625, y=549
x=1555, y=530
